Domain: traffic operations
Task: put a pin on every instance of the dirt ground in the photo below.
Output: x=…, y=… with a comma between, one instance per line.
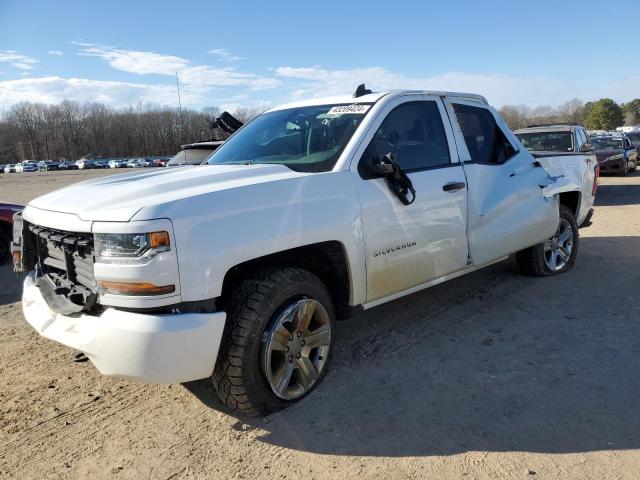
x=489, y=376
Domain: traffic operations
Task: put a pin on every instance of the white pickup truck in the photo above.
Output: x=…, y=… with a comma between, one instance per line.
x=237, y=269
x=564, y=149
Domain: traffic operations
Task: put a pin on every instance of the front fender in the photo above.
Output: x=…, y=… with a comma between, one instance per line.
x=218, y=230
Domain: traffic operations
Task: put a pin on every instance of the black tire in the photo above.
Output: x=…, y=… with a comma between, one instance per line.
x=5, y=249
x=238, y=376
x=531, y=261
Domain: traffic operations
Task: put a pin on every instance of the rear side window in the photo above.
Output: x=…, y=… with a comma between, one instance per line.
x=485, y=141
x=583, y=136
x=414, y=133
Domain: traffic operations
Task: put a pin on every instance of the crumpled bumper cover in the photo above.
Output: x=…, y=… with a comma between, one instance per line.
x=150, y=348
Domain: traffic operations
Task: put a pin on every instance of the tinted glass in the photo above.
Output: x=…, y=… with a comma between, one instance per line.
x=190, y=156
x=583, y=136
x=485, y=141
x=306, y=139
x=634, y=138
x=414, y=133
x=547, y=141
x=606, y=143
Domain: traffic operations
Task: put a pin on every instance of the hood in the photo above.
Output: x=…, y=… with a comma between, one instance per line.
x=120, y=197
x=602, y=155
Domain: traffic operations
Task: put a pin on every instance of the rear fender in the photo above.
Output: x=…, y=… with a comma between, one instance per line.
x=558, y=185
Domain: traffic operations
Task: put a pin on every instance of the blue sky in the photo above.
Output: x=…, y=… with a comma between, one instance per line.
x=252, y=53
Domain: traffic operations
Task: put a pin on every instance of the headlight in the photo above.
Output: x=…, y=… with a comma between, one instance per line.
x=130, y=248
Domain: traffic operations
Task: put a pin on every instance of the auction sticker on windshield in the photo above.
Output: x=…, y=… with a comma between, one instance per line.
x=342, y=109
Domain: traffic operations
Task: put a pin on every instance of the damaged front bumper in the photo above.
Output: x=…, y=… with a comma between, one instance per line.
x=151, y=348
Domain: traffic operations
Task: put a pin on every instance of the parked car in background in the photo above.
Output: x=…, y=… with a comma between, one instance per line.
x=138, y=163
x=565, y=149
x=47, y=165
x=91, y=163
x=615, y=154
x=159, y=162
x=237, y=270
x=634, y=138
x=193, y=153
x=7, y=210
x=27, y=166
x=68, y=166
x=117, y=164
x=10, y=168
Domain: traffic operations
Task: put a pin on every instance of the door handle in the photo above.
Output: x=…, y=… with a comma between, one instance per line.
x=453, y=186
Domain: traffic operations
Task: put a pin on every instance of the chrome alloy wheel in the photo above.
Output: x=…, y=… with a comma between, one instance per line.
x=557, y=250
x=295, y=348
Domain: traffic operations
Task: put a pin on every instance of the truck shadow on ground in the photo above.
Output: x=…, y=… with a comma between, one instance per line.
x=491, y=362
x=616, y=195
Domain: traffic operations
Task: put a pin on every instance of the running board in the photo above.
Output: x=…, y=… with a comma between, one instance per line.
x=431, y=283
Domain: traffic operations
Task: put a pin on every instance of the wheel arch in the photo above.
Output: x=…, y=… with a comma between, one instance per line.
x=327, y=260
x=571, y=200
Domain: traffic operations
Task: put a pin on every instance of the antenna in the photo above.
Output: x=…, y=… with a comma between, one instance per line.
x=178, y=87
x=361, y=90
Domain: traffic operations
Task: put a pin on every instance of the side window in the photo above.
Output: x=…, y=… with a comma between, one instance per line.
x=414, y=133
x=583, y=138
x=485, y=141
x=578, y=141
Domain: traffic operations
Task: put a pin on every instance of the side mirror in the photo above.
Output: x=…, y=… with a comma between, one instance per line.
x=380, y=167
x=586, y=147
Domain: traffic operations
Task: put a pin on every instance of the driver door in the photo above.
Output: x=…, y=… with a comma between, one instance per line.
x=409, y=245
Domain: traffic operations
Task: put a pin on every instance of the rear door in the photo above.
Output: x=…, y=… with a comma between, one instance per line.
x=507, y=210
x=409, y=245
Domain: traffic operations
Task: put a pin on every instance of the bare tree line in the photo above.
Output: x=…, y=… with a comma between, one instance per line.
x=602, y=114
x=70, y=130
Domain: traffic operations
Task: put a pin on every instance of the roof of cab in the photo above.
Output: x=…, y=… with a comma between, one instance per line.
x=375, y=96
x=548, y=128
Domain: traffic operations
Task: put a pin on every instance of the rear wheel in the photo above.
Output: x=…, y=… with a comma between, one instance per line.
x=277, y=341
x=555, y=255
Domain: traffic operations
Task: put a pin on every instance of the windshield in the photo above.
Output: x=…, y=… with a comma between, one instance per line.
x=305, y=139
x=190, y=156
x=547, y=141
x=604, y=143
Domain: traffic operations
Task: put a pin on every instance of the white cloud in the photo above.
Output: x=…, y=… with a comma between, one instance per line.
x=499, y=89
x=56, y=53
x=17, y=60
x=133, y=61
x=119, y=94
x=225, y=55
x=196, y=76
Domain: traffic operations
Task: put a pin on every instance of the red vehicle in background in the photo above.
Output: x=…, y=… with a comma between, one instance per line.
x=616, y=154
x=159, y=162
x=6, y=228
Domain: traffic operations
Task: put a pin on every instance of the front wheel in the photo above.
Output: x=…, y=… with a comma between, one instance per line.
x=277, y=341
x=556, y=255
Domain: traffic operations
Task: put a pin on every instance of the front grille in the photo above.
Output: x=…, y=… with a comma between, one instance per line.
x=66, y=260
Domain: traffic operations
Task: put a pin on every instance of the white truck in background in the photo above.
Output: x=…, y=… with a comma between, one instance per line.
x=565, y=150
x=237, y=269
